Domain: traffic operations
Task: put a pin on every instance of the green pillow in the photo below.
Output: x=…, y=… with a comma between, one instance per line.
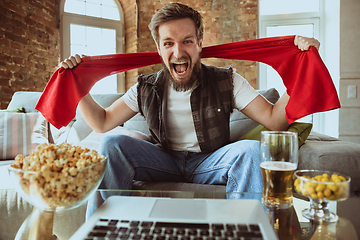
x=302, y=129
x=16, y=110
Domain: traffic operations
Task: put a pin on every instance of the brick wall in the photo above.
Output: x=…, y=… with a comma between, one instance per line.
x=30, y=40
x=29, y=45
x=131, y=36
x=225, y=21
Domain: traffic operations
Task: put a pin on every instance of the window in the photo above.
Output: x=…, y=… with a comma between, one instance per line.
x=94, y=27
x=96, y=8
x=277, y=7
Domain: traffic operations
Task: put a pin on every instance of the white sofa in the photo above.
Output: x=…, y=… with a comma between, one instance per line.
x=318, y=152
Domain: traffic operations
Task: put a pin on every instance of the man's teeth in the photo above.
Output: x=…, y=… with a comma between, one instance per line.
x=180, y=68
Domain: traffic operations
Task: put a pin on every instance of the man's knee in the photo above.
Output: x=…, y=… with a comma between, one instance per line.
x=245, y=146
x=246, y=152
x=111, y=142
x=249, y=143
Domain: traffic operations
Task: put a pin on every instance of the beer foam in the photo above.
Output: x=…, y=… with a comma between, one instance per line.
x=278, y=166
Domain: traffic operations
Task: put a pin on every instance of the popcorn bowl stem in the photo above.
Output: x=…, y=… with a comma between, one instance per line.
x=41, y=225
x=319, y=211
x=37, y=226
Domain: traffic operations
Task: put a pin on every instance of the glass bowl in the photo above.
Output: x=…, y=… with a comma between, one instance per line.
x=321, y=187
x=55, y=191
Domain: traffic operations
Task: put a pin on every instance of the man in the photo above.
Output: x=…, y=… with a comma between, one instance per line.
x=187, y=106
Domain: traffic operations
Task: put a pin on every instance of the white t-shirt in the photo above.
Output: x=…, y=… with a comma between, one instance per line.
x=180, y=127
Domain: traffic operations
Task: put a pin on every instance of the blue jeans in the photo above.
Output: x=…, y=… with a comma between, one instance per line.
x=236, y=165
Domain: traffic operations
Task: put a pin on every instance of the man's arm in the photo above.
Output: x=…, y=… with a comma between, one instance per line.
x=271, y=116
x=100, y=119
x=103, y=120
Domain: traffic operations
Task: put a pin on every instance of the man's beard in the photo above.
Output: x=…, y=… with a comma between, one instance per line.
x=183, y=87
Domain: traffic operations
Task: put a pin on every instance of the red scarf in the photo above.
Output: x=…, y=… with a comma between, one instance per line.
x=304, y=74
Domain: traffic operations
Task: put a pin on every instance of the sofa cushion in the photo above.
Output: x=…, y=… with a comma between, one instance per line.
x=137, y=123
x=18, y=110
x=24, y=99
x=15, y=134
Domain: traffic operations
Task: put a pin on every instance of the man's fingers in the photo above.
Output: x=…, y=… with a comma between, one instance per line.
x=73, y=61
x=296, y=40
x=305, y=46
x=69, y=62
x=316, y=44
x=77, y=58
x=305, y=43
x=302, y=43
x=64, y=65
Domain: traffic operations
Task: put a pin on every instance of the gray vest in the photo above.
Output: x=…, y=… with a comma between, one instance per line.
x=211, y=104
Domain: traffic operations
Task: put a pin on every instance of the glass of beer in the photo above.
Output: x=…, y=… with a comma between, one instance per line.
x=278, y=162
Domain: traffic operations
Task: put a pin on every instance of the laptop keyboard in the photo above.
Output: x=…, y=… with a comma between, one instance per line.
x=137, y=230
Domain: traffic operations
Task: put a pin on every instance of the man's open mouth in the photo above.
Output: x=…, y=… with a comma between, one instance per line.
x=180, y=68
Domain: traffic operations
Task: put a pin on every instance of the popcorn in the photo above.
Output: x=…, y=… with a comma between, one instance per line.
x=59, y=175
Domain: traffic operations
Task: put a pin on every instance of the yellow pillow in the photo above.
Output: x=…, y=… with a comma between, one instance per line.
x=18, y=110
x=302, y=129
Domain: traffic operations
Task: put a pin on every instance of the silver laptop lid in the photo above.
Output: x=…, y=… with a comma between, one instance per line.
x=120, y=212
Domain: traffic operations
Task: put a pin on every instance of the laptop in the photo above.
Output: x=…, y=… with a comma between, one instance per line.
x=151, y=218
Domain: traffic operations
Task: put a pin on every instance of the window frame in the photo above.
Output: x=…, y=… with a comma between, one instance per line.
x=66, y=19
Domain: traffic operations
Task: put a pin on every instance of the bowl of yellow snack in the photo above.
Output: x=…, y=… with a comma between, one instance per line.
x=57, y=177
x=321, y=187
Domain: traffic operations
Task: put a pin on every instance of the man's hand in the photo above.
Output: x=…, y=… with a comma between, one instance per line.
x=71, y=62
x=304, y=43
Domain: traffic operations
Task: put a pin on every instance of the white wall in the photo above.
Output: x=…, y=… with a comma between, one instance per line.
x=330, y=53
x=349, y=70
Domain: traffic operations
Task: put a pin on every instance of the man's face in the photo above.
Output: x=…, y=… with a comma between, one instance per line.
x=179, y=49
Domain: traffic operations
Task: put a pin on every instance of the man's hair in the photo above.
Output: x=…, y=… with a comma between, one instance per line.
x=175, y=11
